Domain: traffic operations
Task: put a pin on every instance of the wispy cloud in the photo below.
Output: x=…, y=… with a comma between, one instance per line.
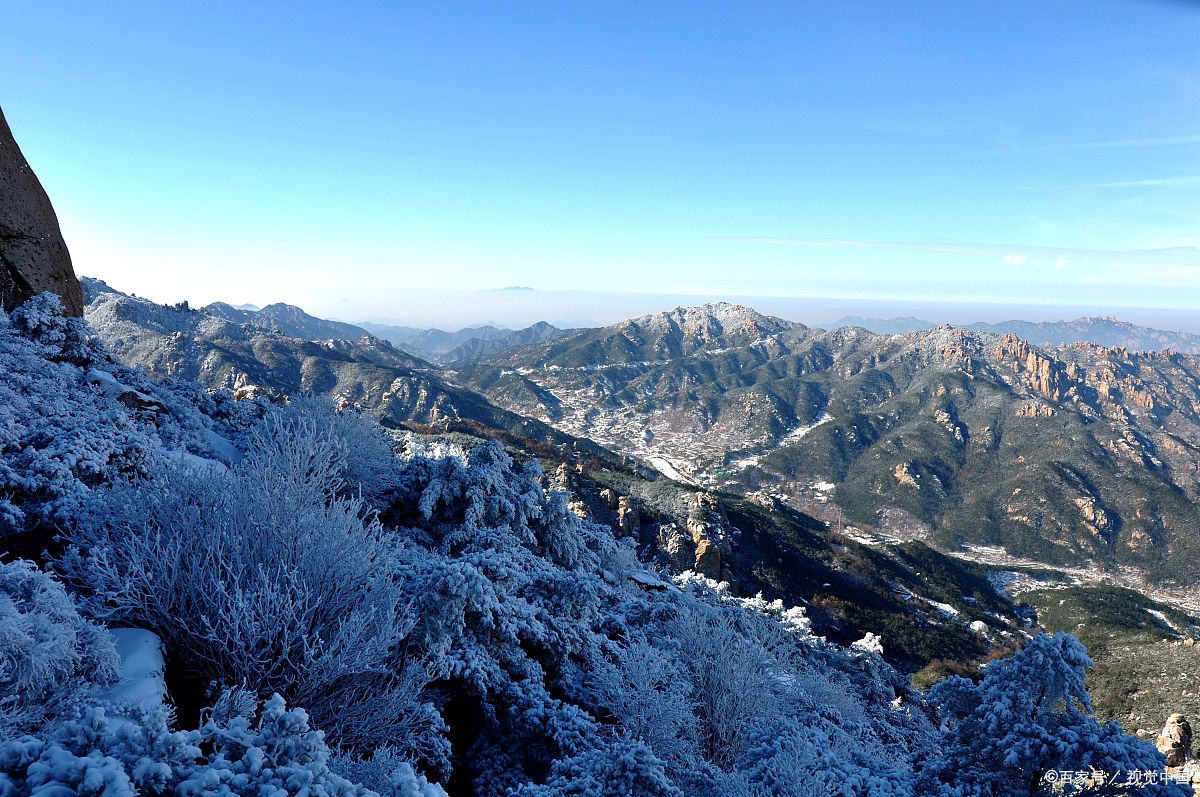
x=1125, y=143
x=1016, y=255
x=1182, y=179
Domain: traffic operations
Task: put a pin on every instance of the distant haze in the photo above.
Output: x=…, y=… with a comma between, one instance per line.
x=453, y=310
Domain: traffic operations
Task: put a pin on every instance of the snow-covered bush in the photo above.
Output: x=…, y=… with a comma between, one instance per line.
x=1030, y=715
x=70, y=420
x=507, y=585
x=791, y=758
x=51, y=659
x=262, y=576
x=645, y=689
x=60, y=338
x=277, y=753
x=618, y=770
x=368, y=466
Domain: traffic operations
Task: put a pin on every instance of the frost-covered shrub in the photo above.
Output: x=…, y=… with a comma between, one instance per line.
x=50, y=658
x=262, y=576
x=1029, y=715
x=733, y=682
x=70, y=420
x=646, y=690
x=276, y=753
x=512, y=592
x=618, y=770
x=61, y=339
x=791, y=758
x=387, y=772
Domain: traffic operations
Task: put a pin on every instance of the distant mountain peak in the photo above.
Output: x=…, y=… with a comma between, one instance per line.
x=711, y=321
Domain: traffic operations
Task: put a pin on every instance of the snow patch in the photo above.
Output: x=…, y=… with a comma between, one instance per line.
x=800, y=431
x=944, y=608
x=1156, y=614
x=186, y=459
x=668, y=469
x=142, y=683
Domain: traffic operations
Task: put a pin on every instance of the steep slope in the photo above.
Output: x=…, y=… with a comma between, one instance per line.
x=1064, y=455
x=922, y=603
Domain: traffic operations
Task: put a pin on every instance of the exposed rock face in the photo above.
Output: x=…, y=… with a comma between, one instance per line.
x=1041, y=373
x=629, y=521
x=1175, y=741
x=33, y=255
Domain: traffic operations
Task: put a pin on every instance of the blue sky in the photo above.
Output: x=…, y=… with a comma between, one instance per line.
x=348, y=155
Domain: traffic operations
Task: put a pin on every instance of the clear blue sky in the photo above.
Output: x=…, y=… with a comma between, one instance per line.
x=316, y=152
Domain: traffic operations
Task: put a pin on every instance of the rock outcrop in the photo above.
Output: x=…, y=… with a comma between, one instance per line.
x=33, y=255
x=1175, y=741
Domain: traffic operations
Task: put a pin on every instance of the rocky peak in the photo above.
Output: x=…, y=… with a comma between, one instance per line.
x=709, y=323
x=33, y=254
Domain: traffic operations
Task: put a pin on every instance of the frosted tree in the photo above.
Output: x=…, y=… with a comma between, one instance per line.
x=507, y=585
x=1030, y=715
x=646, y=689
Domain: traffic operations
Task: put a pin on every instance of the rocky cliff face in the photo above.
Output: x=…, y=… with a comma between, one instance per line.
x=33, y=255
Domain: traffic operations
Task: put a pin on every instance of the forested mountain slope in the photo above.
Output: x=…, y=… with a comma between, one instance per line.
x=1062, y=454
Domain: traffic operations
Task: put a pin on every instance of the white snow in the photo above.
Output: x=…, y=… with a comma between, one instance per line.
x=944, y=608
x=186, y=459
x=649, y=581
x=225, y=451
x=142, y=683
x=110, y=386
x=668, y=469
x=801, y=431
x=1163, y=618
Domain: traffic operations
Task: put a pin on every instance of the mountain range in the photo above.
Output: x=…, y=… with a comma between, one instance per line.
x=970, y=440
x=1106, y=331
x=937, y=487
x=1060, y=454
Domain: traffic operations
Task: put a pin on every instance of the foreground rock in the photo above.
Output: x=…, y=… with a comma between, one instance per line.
x=1175, y=741
x=33, y=255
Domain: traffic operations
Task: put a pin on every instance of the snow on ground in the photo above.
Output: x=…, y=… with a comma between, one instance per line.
x=944, y=608
x=142, y=683
x=186, y=459
x=224, y=450
x=1163, y=619
x=801, y=431
x=668, y=469
x=866, y=538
